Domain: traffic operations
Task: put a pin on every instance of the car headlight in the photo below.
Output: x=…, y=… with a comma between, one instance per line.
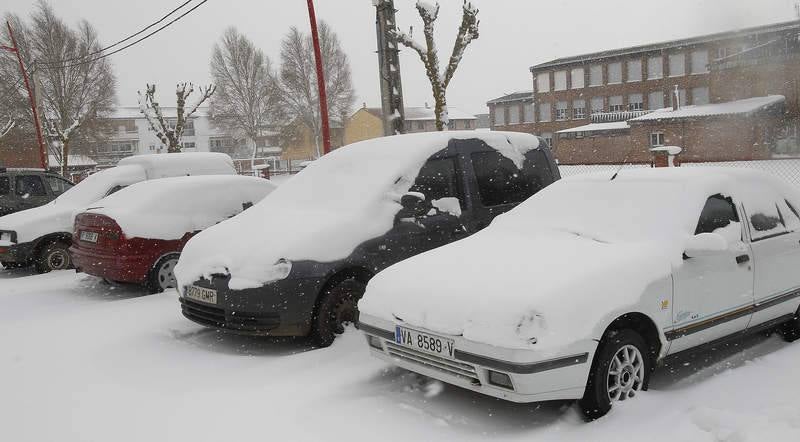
x=8, y=236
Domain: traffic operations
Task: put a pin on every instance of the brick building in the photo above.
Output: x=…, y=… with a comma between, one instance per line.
x=594, y=107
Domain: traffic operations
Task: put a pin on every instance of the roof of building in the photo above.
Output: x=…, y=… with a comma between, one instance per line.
x=774, y=27
x=596, y=127
x=132, y=112
x=423, y=113
x=738, y=107
x=514, y=96
x=73, y=160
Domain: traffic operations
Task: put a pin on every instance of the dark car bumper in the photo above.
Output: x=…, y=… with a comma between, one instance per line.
x=18, y=253
x=281, y=308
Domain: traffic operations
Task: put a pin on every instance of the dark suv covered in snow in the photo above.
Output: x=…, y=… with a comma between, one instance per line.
x=22, y=189
x=297, y=263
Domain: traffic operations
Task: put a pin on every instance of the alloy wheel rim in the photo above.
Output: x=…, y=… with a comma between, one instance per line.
x=56, y=260
x=166, y=274
x=625, y=374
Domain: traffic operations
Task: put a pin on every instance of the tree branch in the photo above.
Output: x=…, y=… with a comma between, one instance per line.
x=467, y=32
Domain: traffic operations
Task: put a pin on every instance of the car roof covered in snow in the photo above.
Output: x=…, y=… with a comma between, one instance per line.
x=184, y=163
x=168, y=208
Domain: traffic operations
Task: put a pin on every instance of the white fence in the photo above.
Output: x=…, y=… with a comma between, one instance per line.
x=787, y=169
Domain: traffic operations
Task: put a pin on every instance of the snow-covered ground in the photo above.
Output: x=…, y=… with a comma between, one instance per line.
x=85, y=361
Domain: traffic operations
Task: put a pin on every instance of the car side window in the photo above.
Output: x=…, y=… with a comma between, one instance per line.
x=5, y=185
x=499, y=180
x=719, y=212
x=439, y=179
x=30, y=185
x=115, y=189
x=58, y=185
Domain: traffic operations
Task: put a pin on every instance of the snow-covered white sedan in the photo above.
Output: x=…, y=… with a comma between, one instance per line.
x=581, y=291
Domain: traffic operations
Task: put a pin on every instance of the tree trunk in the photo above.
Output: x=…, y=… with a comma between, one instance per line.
x=64, y=157
x=174, y=146
x=439, y=111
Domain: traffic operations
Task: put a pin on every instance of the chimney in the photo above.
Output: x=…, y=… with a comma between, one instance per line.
x=427, y=106
x=676, y=99
x=364, y=105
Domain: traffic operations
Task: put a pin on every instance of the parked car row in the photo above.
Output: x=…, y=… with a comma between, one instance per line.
x=463, y=256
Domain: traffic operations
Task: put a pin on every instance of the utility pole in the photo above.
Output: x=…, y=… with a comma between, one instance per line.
x=389, y=69
x=15, y=49
x=323, y=95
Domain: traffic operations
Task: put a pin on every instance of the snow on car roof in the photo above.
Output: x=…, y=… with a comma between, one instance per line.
x=184, y=163
x=334, y=204
x=168, y=208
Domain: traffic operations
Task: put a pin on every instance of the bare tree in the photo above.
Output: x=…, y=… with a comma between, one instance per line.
x=74, y=87
x=246, y=100
x=299, y=95
x=171, y=135
x=6, y=128
x=429, y=54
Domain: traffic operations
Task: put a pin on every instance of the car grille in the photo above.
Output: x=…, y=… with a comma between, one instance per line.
x=450, y=367
x=216, y=317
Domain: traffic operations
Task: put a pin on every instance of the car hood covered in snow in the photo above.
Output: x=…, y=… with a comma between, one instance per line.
x=327, y=210
x=551, y=270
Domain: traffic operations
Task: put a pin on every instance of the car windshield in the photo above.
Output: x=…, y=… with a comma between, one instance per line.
x=609, y=211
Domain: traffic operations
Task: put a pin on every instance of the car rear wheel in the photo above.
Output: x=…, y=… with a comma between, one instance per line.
x=162, y=275
x=53, y=256
x=620, y=370
x=338, y=306
x=791, y=330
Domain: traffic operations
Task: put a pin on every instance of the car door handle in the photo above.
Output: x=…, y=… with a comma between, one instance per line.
x=741, y=259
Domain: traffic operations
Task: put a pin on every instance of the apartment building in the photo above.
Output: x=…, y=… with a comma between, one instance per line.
x=597, y=95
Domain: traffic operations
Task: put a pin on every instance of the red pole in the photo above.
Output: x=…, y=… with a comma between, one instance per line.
x=15, y=49
x=323, y=95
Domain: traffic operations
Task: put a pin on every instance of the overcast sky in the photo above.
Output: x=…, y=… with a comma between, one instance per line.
x=515, y=34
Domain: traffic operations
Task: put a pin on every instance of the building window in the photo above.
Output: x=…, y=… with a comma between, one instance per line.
x=699, y=62
x=548, y=138
x=677, y=65
x=499, y=116
x=528, y=113
x=635, y=102
x=543, y=82
x=634, y=70
x=544, y=112
x=615, y=103
x=128, y=126
x=513, y=114
x=579, y=109
x=421, y=124
x=655, y=68
x=596, y=75
x=467, y=124
x=188, y=145
x=700, y=95
x=597, y=105
x=577, y=78
x=561, y=111
x=615, y=73
x=656, y=139
x=560, y=81
x=655, y=100
x=681, y=93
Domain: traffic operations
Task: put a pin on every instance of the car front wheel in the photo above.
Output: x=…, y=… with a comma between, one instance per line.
x=791, y=330
x=620, y=370
x=339, y=305
x=54, y=256
x=162, y=275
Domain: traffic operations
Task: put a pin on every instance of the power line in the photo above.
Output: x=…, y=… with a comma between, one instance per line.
x=121, y=41
x=129, y=44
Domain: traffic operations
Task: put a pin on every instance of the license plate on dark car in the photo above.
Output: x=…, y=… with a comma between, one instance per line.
x=202, y=294
x=424, y=342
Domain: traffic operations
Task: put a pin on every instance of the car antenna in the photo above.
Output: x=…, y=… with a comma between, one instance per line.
x=624, y=162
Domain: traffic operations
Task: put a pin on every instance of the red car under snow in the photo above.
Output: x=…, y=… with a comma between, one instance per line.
x=137, y=234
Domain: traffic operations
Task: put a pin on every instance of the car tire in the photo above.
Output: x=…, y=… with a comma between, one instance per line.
x=621, y=369
x=53, y=256
x=337, y=306
x=791, y=330
x=162, y=276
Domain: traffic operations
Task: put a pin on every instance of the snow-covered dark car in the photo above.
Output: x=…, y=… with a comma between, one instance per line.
x=297, y=263
x=137, y=234
x=41, y=236
x=580, y=292
x=22, y=189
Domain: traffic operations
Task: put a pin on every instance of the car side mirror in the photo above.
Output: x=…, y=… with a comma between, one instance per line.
x=705, y=244
x=414, y=205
